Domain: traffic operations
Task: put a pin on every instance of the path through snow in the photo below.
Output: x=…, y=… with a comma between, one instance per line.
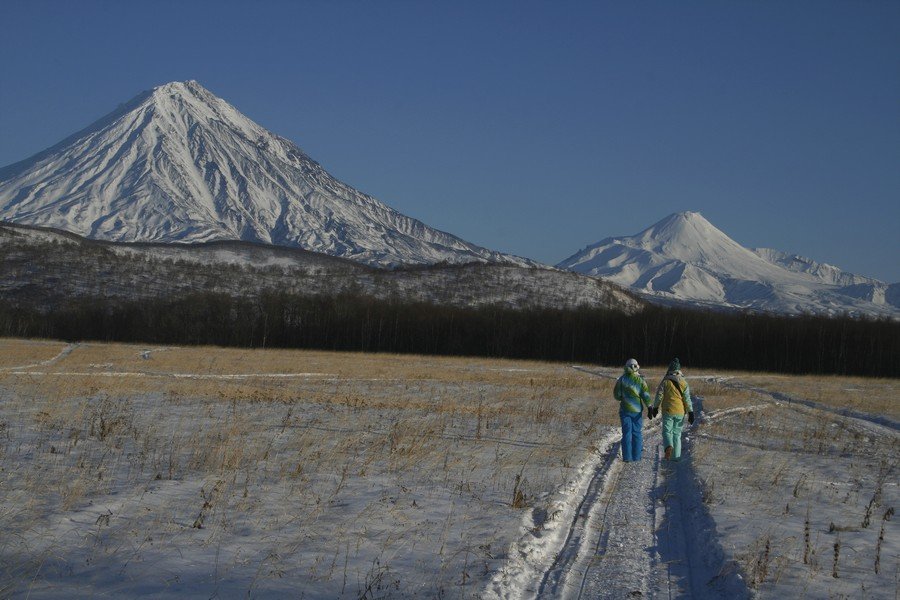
x=654, y=529
x=624, y=530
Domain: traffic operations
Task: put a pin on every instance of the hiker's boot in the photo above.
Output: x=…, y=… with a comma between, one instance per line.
x=668, y=452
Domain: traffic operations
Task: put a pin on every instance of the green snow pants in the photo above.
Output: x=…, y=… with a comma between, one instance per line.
x=671, y=432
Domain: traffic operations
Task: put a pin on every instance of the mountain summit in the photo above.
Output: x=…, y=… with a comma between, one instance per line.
x=179, y=164
x=685, y=258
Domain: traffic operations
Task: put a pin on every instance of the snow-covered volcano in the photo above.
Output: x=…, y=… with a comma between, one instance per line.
x=178, y=164
x=685, y=258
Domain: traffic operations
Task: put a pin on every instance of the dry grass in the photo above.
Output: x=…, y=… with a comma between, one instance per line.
x=330, y=430
x=872, y=395
x=876, y=396
x=379, y=381
x=15, y=352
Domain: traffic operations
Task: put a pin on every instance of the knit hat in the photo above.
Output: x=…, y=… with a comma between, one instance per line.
x=675, y=365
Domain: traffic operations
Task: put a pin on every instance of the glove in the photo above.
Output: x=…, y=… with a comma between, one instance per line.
x=691, y=417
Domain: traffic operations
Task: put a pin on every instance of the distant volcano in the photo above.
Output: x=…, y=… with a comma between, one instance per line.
x=686, y=258
x=178, y=164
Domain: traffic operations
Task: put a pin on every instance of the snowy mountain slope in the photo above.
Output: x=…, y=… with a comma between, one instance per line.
x=178, y=164
x=685, y=258
x=823, y=271
x=46, y=269
x=855, y=286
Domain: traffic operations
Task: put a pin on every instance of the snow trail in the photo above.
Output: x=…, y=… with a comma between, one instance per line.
x=631, y=530
x=609, y=553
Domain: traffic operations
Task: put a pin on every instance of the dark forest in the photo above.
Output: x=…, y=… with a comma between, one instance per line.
x=709, y=339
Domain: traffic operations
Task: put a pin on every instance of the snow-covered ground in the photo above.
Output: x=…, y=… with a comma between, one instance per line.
x=359, y=476
x=381, y=476
x=777, y=497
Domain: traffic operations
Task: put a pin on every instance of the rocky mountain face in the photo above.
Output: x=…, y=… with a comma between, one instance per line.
x=178, y=164
x=684, y=258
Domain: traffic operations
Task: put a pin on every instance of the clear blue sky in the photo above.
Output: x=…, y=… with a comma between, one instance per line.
x=529, y=127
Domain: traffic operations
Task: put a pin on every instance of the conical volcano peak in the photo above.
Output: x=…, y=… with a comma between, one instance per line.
x=693, y=218
x=181, y=95
x=179, y=164
x=191, y=86
x=681, y=224
x=688, y=236
x=684, y=215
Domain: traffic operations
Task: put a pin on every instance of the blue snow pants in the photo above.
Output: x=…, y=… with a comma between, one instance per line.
x=671, y=432
x=632, y=436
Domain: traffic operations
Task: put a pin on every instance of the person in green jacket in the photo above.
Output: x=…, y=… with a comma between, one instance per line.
x=674, y=395
x=633, y=395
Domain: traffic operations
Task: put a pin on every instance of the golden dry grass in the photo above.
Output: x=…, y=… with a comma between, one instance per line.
x=16, y=352
x=718, y=396
x=384, y=380
x=290, y=376
x=877, y=396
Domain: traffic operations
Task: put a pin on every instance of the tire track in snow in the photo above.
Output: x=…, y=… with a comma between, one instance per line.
x=585, y=536
x=536, y=551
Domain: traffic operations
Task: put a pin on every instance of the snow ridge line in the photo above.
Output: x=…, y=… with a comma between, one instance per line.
x=536, y=551
x=578, y=543
x=717, y=414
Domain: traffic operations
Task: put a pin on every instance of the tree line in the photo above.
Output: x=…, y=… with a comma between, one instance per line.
x=708, y=339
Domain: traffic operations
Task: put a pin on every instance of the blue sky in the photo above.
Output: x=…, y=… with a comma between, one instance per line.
x=530, y=127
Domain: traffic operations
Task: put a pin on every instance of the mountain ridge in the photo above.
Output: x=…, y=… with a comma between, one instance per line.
x=48, y=269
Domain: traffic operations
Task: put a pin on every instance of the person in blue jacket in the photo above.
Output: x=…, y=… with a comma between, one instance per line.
x=633, y=395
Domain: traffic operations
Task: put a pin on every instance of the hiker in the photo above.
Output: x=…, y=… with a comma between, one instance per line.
x=675, y=396
x=633, y=394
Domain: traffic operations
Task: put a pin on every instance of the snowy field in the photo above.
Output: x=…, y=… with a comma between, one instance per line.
x=203, y=472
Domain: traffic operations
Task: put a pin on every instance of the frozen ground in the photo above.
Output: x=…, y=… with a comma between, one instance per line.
x=169, y=472
x=164, y=472
x=778, y=497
